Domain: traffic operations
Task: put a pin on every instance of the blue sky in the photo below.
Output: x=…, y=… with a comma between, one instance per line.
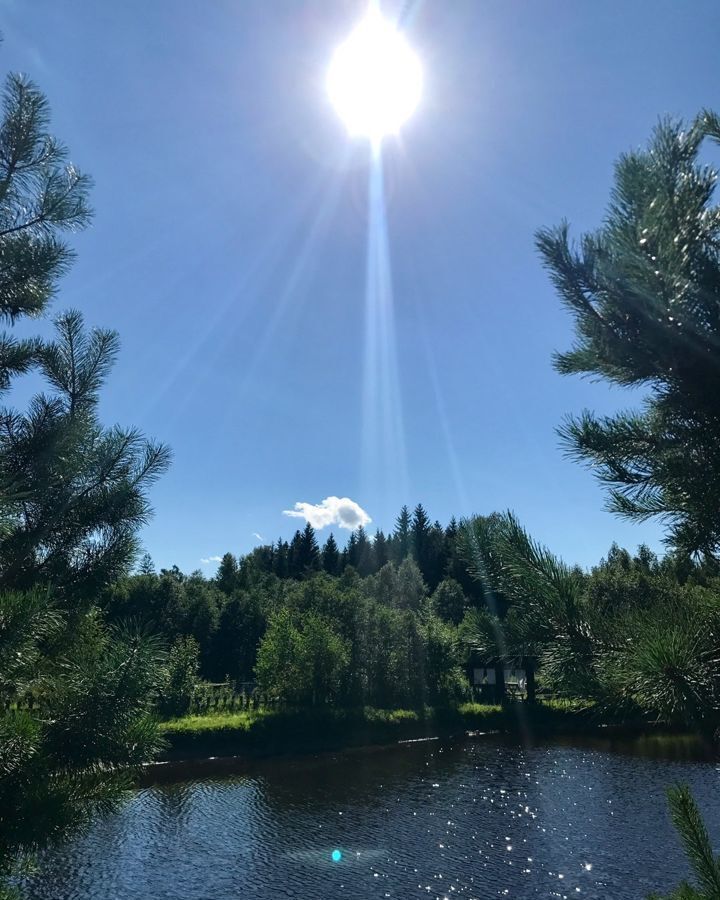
x=229, y=245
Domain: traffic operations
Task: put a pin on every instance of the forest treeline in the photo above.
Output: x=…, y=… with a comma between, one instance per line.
x=394, y=621
x=374, y=622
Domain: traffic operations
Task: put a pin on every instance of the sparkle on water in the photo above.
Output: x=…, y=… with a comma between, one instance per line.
x=577, y=819
x=375, y=78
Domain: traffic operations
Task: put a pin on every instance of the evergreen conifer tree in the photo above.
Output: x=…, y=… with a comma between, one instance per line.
x=77, y=491
x=72, y=497
x=295, y=555
x=381, y=554
x=695, y=840
x=364, y=553
x=644, y=293
x=304, y=553
x=41, y=195
x=281, y=559
x=401, y=536
x=227, y=574
x=420, y=531
x=331, y=556
x=350, y=553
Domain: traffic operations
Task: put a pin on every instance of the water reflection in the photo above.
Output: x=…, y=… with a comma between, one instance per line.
x=474, y=820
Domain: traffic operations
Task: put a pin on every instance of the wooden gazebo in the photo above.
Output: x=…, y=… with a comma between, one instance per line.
x=486, y=672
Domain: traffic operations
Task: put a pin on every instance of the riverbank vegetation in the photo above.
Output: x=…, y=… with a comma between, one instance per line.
x=269, y=732
x=376, y=639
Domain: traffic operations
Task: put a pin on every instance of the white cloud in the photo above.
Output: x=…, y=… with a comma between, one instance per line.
x=258, y=536
x=340, y=511
x=211, y=559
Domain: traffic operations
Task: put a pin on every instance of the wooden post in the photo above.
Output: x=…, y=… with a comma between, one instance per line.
x=530, y=679
x=500, y=696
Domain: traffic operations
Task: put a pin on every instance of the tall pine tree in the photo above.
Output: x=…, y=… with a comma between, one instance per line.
x=72, y=497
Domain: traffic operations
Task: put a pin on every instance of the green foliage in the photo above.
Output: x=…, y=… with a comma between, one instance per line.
x=666, y=660
x=227, y=577
x=304, y=553
x=41, y=195
x=643, y=292
x=629, y=636
x=534, y=601
x=79, y=490
x=402, y=541
x=411, y=589
x=301, y=662
x=180, y=678
x=68, y=755
x=446, y=681
x=449, y=601
x=695, y=840
x=241, y=625
x=76, y=697
x=331, y=556
x=285, y=730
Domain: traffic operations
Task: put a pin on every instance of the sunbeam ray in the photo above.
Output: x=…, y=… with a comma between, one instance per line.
x=324, y=209
x=441, y=412
x=384, y=457
x=238, y=300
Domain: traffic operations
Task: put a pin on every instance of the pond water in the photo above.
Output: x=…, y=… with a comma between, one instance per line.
x=469, y=819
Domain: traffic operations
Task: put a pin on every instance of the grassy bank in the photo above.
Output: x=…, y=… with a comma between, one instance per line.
x=272, y=732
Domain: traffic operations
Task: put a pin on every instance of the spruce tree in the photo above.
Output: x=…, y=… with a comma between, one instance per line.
x=644, y=293
x=420, y=531
x=437, y=558
x=304, y=553
x=381, y=553
x=401, y=536
x=281, y=559
x=350, y=553
x=295, y=555
x=227, y=574
x=235, y=642
x=364, y=553
x=331, y=556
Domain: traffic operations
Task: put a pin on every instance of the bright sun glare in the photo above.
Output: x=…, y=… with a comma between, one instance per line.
x=375, y=79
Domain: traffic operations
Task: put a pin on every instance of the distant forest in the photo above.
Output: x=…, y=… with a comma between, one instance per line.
x=415, y=536
x=392, y=621
x=368, y=611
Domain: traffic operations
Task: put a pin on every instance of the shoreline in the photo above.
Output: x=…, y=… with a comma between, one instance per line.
x=218, y=744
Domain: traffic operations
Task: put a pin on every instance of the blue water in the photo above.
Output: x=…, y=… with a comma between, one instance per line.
x=475, y=819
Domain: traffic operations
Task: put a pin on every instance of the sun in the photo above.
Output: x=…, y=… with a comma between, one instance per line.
x=375, y=79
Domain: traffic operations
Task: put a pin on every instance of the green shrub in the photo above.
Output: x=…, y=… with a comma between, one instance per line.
x=180, y=678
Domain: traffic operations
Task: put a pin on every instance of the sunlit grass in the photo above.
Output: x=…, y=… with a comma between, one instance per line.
x=366, y=724
x=214, y=721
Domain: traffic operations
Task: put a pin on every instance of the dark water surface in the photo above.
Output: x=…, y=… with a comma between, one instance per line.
x=472, y=819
